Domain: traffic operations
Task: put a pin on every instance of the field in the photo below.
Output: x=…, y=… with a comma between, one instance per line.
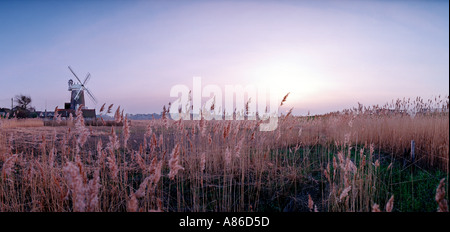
x=358, y=160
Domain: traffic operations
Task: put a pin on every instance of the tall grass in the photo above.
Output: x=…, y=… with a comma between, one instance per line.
x=16, y=123
x=337, y=162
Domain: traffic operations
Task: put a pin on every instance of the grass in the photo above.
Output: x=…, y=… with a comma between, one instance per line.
x=18, y=123
x=415, y=189
x=339, y=162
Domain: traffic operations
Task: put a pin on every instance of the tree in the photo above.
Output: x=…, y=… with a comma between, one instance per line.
x=23, y=101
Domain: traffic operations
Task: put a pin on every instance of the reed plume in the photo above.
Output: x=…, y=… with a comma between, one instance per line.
x=440, y=197
x=174, y=162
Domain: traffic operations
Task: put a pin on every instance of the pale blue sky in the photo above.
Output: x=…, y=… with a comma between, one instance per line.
x=328, y=54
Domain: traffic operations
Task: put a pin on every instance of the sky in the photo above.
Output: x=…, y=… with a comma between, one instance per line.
x=329, y=55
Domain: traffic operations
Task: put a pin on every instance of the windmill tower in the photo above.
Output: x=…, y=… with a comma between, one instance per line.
x=77, y=92
x=77, y=98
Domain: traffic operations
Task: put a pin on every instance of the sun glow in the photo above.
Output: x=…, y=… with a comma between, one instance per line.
x=283, y=77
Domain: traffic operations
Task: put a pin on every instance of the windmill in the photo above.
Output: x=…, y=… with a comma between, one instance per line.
x=77, y=98
x=77, y=91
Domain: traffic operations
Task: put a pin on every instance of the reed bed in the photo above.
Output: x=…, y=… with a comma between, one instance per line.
x=17, y=123
x=338, y=162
